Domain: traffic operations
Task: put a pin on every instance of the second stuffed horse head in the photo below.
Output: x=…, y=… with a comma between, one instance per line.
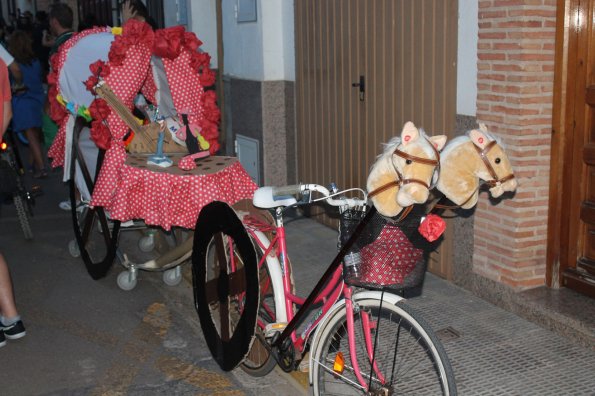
x=401, y=176
x=466, y=160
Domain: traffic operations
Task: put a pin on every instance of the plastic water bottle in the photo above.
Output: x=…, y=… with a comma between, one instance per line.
x=351, y=266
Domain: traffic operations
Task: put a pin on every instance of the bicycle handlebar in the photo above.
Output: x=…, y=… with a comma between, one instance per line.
x=327, y=196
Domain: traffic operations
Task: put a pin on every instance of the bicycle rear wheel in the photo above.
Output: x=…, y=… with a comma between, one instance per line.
x=259, y=361
x=96, y=235
x=408, y=357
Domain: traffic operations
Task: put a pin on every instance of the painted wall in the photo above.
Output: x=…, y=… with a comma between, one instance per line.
x=467, y=58
x=262, y=50
x=202, y=20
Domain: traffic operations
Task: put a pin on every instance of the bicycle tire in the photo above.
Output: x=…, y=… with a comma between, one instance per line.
x=96, y=235
x=23, y=215
x=408, y=353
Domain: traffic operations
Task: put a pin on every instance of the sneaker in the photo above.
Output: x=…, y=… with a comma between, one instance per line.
x=2, y=339
x=14, y=331
x=65, y=205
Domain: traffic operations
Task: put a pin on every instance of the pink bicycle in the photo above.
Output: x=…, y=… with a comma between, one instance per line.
x=357, y=335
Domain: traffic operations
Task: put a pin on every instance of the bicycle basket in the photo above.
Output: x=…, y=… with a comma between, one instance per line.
x=8, y=178
x=393, y=255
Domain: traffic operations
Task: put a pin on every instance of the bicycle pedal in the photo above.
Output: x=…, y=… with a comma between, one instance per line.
x=272, y=328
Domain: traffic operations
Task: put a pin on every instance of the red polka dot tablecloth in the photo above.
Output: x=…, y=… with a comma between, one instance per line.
x=173, y=197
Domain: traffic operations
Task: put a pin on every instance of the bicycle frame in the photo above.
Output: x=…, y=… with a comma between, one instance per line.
x=327, y=291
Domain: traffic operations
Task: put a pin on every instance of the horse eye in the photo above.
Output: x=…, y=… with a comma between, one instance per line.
x=408, y=162
x=497, y=160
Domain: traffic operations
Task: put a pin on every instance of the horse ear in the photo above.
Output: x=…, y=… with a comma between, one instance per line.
x=438, y=141
x=483, y=127
x=409, y=133
x=479, y=138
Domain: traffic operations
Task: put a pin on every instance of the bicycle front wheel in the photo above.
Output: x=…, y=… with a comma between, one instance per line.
x=406, y=357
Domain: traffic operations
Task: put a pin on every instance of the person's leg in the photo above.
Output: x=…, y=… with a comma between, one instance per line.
x=34, y=137
x=8, y=308
x=10, y=321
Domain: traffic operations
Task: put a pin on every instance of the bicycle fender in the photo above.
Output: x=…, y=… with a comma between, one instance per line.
x=388, y=298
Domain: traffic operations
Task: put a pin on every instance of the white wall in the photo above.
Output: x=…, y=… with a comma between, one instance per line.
x=261, y=50
x=202, y=20
x=467, y=58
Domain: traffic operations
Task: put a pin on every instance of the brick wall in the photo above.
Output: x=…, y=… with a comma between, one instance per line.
x=514, y=99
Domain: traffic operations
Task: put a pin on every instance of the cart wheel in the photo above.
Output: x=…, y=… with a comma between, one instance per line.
x=225, y=282
x=96, y=236
x=172, y=277
x=127, y=280
x=73, y=248
x=147, y=243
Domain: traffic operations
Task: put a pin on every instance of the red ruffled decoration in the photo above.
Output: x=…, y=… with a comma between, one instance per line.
x=207, y=77
x=168, y=42
x=133, y=32
x=100, y=134
x=99, y=109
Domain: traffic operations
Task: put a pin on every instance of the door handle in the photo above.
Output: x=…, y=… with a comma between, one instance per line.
x=362, y=87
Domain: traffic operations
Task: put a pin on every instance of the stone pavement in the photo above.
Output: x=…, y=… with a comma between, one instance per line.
x=492, y=351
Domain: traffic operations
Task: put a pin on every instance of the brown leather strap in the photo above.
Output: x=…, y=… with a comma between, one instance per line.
x=425, y=161
x=483, y=154
x=384, y=187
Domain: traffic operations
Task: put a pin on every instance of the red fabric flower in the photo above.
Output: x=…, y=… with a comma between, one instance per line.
x=91, y=83
x=117, y=52
x=100, y=134
x=99, y=109
x=137, y=32
x=168, y=42
x=191, y=42
x=207, y=77
x=432, y=227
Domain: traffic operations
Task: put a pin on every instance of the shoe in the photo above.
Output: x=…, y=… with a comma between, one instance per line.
x=2, y=339
x=14, y=331
x=65, y=205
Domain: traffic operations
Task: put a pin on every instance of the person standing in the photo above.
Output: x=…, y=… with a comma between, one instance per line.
x=60, y=22
x=28, y=105
x=11, y=325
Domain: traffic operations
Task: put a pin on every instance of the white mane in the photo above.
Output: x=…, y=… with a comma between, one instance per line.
x=392, y=144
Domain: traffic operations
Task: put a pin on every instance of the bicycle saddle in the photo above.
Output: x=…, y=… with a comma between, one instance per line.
x=264, y=198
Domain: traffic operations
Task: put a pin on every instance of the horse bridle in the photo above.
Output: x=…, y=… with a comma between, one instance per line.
x=483, y=154
x=400, y=181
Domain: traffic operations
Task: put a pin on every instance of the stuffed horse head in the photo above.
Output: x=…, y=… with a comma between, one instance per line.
x=467, y=159
x=402, y=174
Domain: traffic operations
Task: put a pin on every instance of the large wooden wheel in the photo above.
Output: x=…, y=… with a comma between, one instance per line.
x=226, y=283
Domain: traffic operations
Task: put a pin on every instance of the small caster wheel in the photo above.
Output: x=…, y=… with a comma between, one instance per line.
x=126, y=280
x=73, y=248
x=147, y=243
x=172, y=277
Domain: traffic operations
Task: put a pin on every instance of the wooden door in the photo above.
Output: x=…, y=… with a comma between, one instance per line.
x=363, y=69
x=571, y=236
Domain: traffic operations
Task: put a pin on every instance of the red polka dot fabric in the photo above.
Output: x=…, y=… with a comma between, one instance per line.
x=389, y=259
x=167, y=200
x=57, y=150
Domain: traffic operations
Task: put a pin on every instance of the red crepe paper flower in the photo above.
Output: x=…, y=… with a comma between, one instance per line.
x=207, y=77
x=100, y=134
x=137, y=32
x=168, y=42
x=432, y=227
x=191, y=42
x=91, y=83
x=99, y=109
x=117, y=52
